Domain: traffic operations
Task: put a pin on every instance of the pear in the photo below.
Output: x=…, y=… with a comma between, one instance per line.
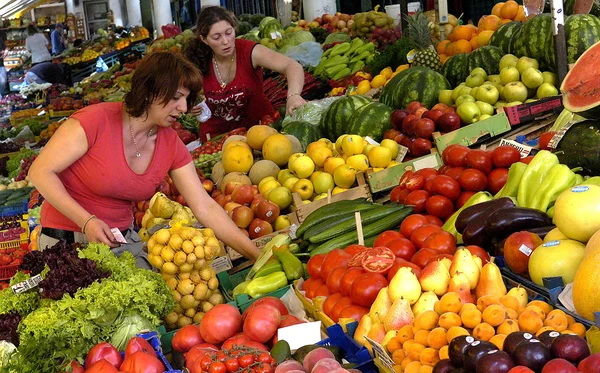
x=388, y=337
x=459, y=283
x=381, y=305
x=521, y=295
x=435, y=277
x=405, y=284
x=362, y=329
x=463, y=262
x=161, y=206
x=146, y=218
x=426, y=302
x=157, y=221
x=490, y=282
x=399, y=315
x=377, y=332
x=478, y=261
x=181, y=215
x=447, y=262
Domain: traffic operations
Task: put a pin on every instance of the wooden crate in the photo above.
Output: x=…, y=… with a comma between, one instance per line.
x=304, y=209
x=531, y=131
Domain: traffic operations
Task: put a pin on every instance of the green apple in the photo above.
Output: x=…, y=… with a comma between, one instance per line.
x=550, y=77
x=525, y=62
x=509, y=74
x=532, y=78
x=468, y=112
x=508, y=60
x=500, y=104
x=289, y=183
x=464, y=98
x=475, y=80
x=474, y=92
x=546, y=90
x=304, y=188
x=494, y=79
x=445, y=97
x=501, y=92
x=283, y=175
x=323, y=182
x=515, y=91
x=485, y=108
x=488, y=94
x=514, y=103
x=456, y=91
x=479, y=71
x=484, y=116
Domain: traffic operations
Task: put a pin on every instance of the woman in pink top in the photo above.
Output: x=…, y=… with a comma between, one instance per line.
x=107, y=156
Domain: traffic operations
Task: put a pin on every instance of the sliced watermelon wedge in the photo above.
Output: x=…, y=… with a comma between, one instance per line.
x=581, y=86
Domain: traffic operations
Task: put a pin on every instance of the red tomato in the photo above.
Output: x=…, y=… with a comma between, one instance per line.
x=106, y=351
x=479, y=160
x=412, y=222
x=354, y=249
x=310, y=293
x=264, y=368
x=415, y=182
x=434, y=220
x=402, y=263
x=446, y=186
x=366, y=287
x=238, y=340
x=527, y=159
x=463, y=198
x=321, y=291
x=441, y=171
x=314, y=266
x=544, y=140
x=439, y=206
x=402, y=248
x=289, y=320
x=185, y=338
x=339, y=306
x=217, y=367
x=455, y=156
x=101, y=366
x=428, y=186
x=76, y=367
x=496, y=180
x=140, y=344
x=378, y=260
x=398, y=193
x=334, y=278
x=423, y=256
x=196, y=353
x=504, y=156
x=330, y=302
x=428, y=173
x=480, y=252
x=220, y=323
x=404, y=178
x=454, y=172
x=417, y=199
x=261, y=323
x=386, y=237
x=473, y=180
x=354, y=312
x=420, y=234
x=141, y=362
x=348, y=279
x=308, y=283
x=335, y=258
x=232, y=365
x=271, y=301
x=442, y=242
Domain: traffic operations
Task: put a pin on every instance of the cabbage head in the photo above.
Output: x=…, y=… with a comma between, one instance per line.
x=292, y=39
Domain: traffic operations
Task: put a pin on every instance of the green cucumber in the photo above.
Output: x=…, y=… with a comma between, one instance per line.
x=326, y=211
x=318, y=228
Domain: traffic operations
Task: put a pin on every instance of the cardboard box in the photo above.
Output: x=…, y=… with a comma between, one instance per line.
x=525, y=113
x=388, y=179
x=473, y=133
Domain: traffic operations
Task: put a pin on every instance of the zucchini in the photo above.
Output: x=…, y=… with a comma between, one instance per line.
x=347, y=226
x=369, y=241
x=318, y=228
x=370, y=230
x=333, y=209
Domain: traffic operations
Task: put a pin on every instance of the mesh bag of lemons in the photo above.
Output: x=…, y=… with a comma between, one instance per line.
x=183, y=255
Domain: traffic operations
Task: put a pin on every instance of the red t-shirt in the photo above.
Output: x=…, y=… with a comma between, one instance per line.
x=242, y=103
x=101, y=181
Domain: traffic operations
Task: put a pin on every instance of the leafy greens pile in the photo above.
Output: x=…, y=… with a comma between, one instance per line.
x=56, y=332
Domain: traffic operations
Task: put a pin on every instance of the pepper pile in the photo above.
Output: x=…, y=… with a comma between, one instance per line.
x=345, y=59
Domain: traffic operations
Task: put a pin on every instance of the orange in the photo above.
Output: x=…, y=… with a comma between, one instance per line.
x=442, y=46
x=509, y=9
x=462, y=46
x=462, y=32
x=484, y=37
x=496, y=9
x=489, y=23
x=443, y=58
x=450, y=52
x=474, y=43
x=520, y=17
x=451, y=36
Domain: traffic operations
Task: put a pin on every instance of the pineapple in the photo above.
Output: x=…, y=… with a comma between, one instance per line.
x=420, y=33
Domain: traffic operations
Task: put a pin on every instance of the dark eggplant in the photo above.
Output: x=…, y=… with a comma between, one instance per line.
x=475, y=232
x=470, y=213
x=503, y=222
x=542, y=231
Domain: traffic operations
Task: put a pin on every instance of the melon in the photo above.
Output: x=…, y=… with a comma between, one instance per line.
x=235, y=138
x=296, y=144
x=237, y=159
x=580, y=87
x=586, y=283
x=257, y=135
x=577, y=212
x=262, y=169
x=277, y=148
x=217, y=172
x=580, y=147
x=234, y=177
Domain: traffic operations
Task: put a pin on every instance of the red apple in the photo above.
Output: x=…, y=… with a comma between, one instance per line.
x=245, y=232
x=391, y=134
x=451, y=109
x=226, y=200
x=257, y=199
x=397, y=117
x=413, y=106
x=398, y=139
x=255, y=189
x=267, y=211
x=420, y=147
x=208, y=185
x=440, y=106
x=138, y=218
x=242, y=194
x=420, y=111
x=215, y=193
x=326, y=17
x=318, y=20
x=559, y=366
x=220, y=200
x=230, y=187
x=517, y=250
x=242, y=216
x=407, y=142
x=434, y=115
x=449, y=122
x=259, y=228
x=408, y=124
x=229, y=206
x=590, y=363
x=424, y=128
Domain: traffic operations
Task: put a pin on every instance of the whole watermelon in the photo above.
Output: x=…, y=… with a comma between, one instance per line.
x=580, y=147
x=581, y=31
x=418, y=84
x=456, y=69
x=335, y=119
x=371, y=120
x=536, y=40
x=303, y=131
x=487, y=57
x=504, y=37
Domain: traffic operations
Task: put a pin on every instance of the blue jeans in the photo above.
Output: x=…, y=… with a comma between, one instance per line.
x=32, y=78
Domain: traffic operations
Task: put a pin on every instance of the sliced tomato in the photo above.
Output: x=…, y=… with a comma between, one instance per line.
x=377, y=263
x=404, y=179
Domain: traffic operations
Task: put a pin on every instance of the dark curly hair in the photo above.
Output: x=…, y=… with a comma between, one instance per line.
x=196, y=50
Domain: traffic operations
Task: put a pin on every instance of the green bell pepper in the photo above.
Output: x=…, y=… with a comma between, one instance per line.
x=292, y=266
x=533, y=176
x=272, y=265
x=559, y=178
x=511, y=188
x=578, y=179
x=264, y=285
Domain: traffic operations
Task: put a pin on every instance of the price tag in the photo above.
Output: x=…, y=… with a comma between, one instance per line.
x=523, y=149
x=402, y=152
x=525, y=250
x=371, y=141
x=292, y=233
x=429, y=161
x=28, y=284
x=553, y=143
x=221, y=263
x=379, y=351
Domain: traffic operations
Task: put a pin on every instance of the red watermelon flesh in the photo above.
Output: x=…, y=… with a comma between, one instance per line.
x=581, y=86
x=582, y=6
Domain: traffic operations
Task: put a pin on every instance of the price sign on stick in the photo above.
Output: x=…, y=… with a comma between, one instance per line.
x=361, y=239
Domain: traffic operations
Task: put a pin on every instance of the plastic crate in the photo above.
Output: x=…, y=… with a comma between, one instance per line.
x=16, y=209
x=355, y=353
x=7, y=272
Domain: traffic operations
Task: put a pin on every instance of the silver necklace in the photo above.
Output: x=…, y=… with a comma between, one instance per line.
x=137, y=152
x=221, y=80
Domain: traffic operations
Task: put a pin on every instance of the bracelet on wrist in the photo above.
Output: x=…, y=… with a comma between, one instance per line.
x=86, y=222
x=293, y=94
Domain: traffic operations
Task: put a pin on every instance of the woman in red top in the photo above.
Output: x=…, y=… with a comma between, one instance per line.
x=107, y=156
x=232, y=71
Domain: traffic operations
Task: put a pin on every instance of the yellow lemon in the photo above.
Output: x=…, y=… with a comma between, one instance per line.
x=387, y=72
x=363, y=87
x=378, y=81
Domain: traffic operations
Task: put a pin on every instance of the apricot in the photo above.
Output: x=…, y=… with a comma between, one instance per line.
x=577, y=328
x=426, y=320
x=557, y=319
x=405, y=333
x=421, y=337
x=509, y=301
x=437, y=338
x=530, y=321
x=494, y=314
x=484, y=331
x=450, y=302
x=444, y=352
x=507, y=327
x=470, y=317
x=487, y=300
x=449, y=319
x=429, y=356
x=454, y=332
x=498, y=340
x=398, y=356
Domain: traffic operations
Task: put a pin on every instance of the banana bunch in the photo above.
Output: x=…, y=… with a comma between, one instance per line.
x=345, y=59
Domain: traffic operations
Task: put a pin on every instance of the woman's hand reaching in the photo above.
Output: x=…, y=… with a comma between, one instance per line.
x=98, y=231
x=294, y=102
